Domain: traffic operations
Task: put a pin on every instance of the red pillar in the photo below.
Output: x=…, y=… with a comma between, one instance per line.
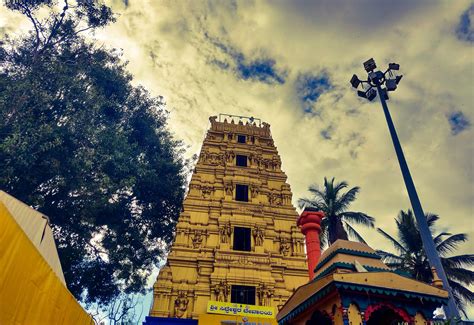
x=310, y=225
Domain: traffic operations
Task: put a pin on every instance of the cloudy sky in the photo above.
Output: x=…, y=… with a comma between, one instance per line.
x=289, y=63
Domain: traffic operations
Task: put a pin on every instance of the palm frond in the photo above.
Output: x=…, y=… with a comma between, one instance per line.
x=388, y=257
x=359, y=218
x=318, y=193
x=339, y=186
x=346, y=199
x=461, y=261
x=327, y=200
x=440, y=236
x=310, y=203
x=408, y=231
x=464, y=276
x=431, y=218
x=451, y=243
x=394, y=242
x=353, y=233
x=462, y=295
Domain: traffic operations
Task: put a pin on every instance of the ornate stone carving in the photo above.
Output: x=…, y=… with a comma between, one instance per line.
x=216, y=159
x=222, y=291
x=225, y=231
x=254, y=190
x=255, y=160
x=204, y=156
x=229, y=189
x=212, y=158
x=229, y=156
x=224, y=257
x=197, y=239
x=284, y=246
x=181, y=305
x=206, y=191
x=274, y=198
x=258, y=235
x=276, y=163
x=264, y=295
x=194, y=186
x=242, y=260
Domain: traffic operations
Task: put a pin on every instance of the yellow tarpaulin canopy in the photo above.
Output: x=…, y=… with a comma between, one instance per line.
x=36, y=226
x=30, y=290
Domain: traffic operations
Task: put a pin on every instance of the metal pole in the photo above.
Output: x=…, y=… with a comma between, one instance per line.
x=426, y=238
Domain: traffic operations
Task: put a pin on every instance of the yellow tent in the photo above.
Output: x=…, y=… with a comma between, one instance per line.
x=32, y=286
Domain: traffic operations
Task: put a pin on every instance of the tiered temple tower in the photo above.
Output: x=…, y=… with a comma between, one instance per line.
x=236, y=238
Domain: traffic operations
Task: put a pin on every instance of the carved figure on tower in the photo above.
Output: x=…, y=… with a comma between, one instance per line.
x=254, y=191
x=284, y=246
x=197, y=239
x=222, y=290
x=258, y=235
x=264, y=295
x=181, y=305
x=225, y=232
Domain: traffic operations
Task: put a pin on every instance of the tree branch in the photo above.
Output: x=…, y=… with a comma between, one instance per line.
x=57, y=23
x=30, y=16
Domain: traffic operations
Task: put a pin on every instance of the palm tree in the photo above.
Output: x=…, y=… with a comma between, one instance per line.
x=410, y=256
x=337, y=221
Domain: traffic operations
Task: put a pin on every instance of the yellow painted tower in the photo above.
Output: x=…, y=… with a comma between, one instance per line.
x=236, y=238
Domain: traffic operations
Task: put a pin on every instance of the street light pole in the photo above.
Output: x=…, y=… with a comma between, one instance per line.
x=376, y=80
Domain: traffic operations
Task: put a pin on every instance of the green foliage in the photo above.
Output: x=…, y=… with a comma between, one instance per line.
x=410, y=256
x=65, y=21
x=337, y=222
x=84, y=146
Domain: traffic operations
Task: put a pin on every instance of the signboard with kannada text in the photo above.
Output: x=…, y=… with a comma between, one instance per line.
x=228, y=308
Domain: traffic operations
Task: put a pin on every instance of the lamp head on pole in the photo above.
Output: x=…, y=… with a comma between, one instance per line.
x=375, y=79
x=370, y=65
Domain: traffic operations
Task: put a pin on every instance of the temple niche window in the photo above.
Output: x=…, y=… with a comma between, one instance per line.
x=241, y=161
x=242, y=241
x=241, y=138
x=242, y=295
x=241, y=193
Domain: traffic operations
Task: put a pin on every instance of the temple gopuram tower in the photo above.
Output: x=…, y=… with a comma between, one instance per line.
x=236, y=243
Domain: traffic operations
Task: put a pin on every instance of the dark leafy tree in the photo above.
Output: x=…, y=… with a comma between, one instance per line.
x=410, y=256
x=84, y=146
x=66, y=20
x=334, y=203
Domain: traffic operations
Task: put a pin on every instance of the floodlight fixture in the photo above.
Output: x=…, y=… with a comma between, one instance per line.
x=370, y=65
x=371, y=94
x=391, y=84
x=394, y=66
x=380, y=83
x=355, y=82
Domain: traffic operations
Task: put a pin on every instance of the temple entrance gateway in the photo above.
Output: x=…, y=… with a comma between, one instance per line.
x=237, y=246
